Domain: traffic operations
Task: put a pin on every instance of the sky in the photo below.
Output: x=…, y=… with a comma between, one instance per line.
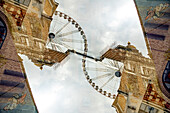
x=105, y=22
x=65, y=89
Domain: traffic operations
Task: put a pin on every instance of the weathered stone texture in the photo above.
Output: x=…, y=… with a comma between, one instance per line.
x=138, y=70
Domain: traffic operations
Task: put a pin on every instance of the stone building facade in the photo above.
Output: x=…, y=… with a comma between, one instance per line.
x=138, y=72
x=15, y=93
x=154, y=17
x=30, y=36
x=26, y=24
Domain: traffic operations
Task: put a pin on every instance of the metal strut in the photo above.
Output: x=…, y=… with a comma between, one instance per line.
x=84, y=55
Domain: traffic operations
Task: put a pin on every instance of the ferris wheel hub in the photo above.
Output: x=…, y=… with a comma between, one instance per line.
x=118, y=74
x=51, y=35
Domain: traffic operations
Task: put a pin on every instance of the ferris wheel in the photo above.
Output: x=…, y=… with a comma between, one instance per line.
x=66, y=34
x=103, y=75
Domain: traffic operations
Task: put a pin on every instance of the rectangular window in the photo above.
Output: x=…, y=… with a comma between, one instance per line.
x=128, y=66
x=40, y=45
x=24, y=2
x=155, y=36
x=27, y=41
x=141, y=70
x=147, y=109
x=142, y=107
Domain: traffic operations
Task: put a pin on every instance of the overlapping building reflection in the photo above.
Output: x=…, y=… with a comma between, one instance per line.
x=24, y=28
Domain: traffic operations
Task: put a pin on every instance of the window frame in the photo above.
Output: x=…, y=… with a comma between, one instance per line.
x=146, y=109
x=4, y=33
x=23, y=2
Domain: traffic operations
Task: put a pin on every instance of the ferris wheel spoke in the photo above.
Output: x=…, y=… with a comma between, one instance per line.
x=121, y=68
x=107, y=82
x=71, y=40
x=101, y=76
x=108, y=66
x=55, y=42
x=114, y=87
x=66, y=46
x=53, y=46
x=104, y=64
x=59, y=48
x=62, y=28
x=58, y=43
x=97, y=69
x=66, y=34
x=111, y=63
x=116, y=64
x=53, y=27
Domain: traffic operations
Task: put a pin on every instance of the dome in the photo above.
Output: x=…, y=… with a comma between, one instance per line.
x=130, y=46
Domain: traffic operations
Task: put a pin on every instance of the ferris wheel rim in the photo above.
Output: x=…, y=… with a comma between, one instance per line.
x=95, y=86
x=78, y=28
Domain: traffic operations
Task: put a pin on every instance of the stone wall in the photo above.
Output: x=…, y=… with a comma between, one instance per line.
x=15, y=95
x=138, y=70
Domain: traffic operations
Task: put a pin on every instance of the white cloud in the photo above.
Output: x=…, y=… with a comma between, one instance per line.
x=99, y=17
x=71, y=95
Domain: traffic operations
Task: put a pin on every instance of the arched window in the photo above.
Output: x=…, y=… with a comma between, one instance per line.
x=3, y=32
x=166, y=77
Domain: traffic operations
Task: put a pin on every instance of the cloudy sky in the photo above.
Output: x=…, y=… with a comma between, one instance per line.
x=65, y=89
